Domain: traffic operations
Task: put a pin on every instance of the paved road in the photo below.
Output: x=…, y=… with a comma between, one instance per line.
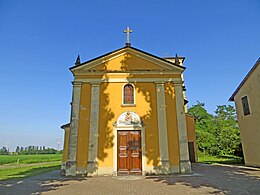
x=206, y=179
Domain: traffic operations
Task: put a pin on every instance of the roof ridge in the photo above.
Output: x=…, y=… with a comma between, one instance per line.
x=245, y=79
x=130, y=47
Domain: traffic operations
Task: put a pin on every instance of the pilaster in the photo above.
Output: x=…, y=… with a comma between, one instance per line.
x=93, y=133
x=74, y=120
x=185, y=166
x=162, y=128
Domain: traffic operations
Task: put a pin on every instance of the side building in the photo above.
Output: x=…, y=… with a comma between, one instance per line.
x=247, y=100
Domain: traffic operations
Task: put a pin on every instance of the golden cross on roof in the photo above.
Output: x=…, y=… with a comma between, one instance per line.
x=128, y=31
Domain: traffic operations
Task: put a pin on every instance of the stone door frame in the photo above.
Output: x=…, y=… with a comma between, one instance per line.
x=131, y=154
x=129, y=128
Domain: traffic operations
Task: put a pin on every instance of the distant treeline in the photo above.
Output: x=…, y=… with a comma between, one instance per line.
x=30, y=150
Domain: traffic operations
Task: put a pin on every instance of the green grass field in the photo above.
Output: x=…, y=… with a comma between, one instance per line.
x=27, y=165
x=27, y=171
x=220, y=159
x=28, y=159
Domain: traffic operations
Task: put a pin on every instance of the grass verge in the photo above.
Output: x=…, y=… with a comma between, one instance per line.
x=28, y=171
x=220, y=159
x=28, y=159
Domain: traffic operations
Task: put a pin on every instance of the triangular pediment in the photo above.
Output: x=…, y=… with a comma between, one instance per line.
x=127, y=59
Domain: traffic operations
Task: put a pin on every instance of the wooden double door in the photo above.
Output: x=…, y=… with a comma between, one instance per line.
x=129, y=153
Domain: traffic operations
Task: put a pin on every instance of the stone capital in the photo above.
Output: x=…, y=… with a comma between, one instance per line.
x=159, y=82
x=76, y=83
x=178, y=84
x=95, y=84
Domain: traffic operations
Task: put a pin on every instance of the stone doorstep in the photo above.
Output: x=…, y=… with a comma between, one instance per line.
x=129, y=177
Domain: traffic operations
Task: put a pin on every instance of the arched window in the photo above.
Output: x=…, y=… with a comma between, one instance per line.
x=128, y=94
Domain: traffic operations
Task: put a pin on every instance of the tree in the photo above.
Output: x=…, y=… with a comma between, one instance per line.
x=4, y=151
x=17, y=149
x=205, y=129
x=218, y=134
x=228, y=131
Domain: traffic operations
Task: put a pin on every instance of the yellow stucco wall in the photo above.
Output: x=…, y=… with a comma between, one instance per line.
x=125, y=62
x=172, y=126
x=191, y=132
x=83, y=128
x=249, y=124
x=111, y=108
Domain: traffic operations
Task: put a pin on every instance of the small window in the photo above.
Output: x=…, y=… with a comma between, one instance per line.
x=245, y=105
x=128, y=94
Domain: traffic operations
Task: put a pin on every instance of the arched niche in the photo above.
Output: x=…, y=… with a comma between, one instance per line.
x=128, y=119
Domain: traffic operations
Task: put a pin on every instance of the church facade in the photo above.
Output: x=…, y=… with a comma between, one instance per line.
x=128, y=116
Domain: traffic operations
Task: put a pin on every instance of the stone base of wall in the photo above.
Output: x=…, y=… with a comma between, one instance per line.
x=71, y=168
x=159, y=170
x=185, y=167
x=250, y=164
x=105, y=171
x=82, y=171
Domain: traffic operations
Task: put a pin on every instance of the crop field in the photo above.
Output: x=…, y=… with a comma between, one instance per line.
x=20, y=171
x=20, y=166
x=29, y=159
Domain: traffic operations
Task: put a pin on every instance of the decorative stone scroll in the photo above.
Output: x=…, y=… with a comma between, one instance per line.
x=128, y=118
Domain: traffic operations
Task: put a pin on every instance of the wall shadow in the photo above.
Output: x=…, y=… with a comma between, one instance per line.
x=46, y=182
x=134, y=66
x=216, y=179
x=106, y=115
x=149, y=117
x=206, y=179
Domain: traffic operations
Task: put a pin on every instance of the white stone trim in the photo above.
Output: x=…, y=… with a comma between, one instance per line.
x=73, y=138
x=123, y=104
x=129, y=128
x=127, y=73
x=93, y=130
x=185, y=166
x=162, y=128
x=131, y=80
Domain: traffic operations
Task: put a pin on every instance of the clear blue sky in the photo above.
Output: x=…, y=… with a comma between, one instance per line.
x=39, y=41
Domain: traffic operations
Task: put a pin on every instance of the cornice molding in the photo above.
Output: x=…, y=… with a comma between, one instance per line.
x=131, y=80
